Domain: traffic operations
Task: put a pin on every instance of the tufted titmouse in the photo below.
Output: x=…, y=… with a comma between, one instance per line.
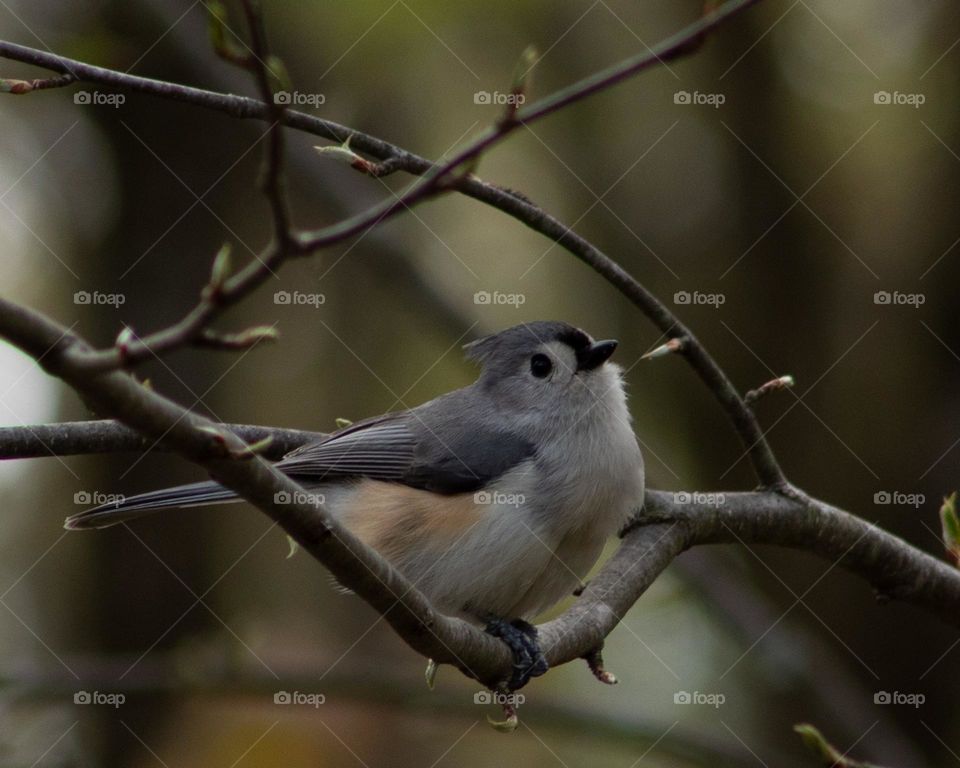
x=495, y=499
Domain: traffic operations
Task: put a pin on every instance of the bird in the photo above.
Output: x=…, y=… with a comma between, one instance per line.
x=494, y=500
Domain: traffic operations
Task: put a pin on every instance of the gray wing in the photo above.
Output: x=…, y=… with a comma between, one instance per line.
x=381, y=449
x=441, y=446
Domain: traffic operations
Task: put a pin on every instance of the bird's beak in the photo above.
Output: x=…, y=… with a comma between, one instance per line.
x=595, y=355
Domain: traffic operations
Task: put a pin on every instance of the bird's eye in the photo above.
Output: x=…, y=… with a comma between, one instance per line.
x=540, y=366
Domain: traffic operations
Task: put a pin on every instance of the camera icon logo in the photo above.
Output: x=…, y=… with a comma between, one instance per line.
x=482, y=297
x=483, y=497
x=681, y=497
x=82, y=697
x=682, y=697
x=482, y=97
x=282, y=697
x=282, y=97
x=482, y=697
x=82, y=97
x=682, y=97
x=82, y=297
x=82, y=497
x=882, y=297
x=882, y=697
x=882, y=97
x=282, y=497
x=282, y=297
x=882, y=497
x=681, y=297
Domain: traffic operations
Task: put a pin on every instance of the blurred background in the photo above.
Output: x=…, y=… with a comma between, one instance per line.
x=792, y=188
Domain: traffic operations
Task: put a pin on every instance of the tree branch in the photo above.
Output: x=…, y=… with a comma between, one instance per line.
x=75, y=438
x=894, y=568
x=667, y=524
x=228, y=460
x=395, y=158
x=660, y=534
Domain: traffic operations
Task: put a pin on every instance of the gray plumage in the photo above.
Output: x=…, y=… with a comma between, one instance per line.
x=494, y=499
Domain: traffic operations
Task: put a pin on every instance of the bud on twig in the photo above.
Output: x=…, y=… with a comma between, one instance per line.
x=124, y=338
x=259, y=446
x=221, y=268
x=510, y=720
x=784, y=382
x=430, y=674
x=521, y=83
x=219, y=438
x=20, y=87
x=594, y=660
x=277, y=72
x=669, y=348
x=294, y=547
x=243, y=340
x=221, y=38
x=344, y=154
x=16, y=87
x=823, y=749
x=951, y=527
x=247, y=451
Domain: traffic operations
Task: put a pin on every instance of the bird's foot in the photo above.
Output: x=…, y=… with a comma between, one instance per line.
x=521, y=637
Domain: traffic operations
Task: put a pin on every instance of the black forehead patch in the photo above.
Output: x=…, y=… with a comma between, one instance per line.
x=522, y=339
x=574, y=338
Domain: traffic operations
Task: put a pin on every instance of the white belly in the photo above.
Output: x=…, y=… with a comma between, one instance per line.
x=512, y=553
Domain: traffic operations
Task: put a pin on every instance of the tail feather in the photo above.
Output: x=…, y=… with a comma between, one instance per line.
x=192, y=495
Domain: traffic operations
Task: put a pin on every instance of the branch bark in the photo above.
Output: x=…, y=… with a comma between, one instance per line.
x=394, y=158
x=228, y=461
x=664, y=530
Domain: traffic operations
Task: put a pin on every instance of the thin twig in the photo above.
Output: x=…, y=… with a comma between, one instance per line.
x=353, y=563
x=395, y=158
x=894, y=568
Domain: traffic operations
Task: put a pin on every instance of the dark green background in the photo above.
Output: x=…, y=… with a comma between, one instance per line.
x=693, y=199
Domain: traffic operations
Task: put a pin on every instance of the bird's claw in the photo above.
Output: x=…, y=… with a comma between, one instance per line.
x=521, y=637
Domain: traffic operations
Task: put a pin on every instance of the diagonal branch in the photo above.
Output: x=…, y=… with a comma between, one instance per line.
x=228, y=460
x=665, y=529
x=668, y=524
x=516, y=205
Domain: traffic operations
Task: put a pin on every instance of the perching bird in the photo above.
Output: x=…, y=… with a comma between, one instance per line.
x=495, y=499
